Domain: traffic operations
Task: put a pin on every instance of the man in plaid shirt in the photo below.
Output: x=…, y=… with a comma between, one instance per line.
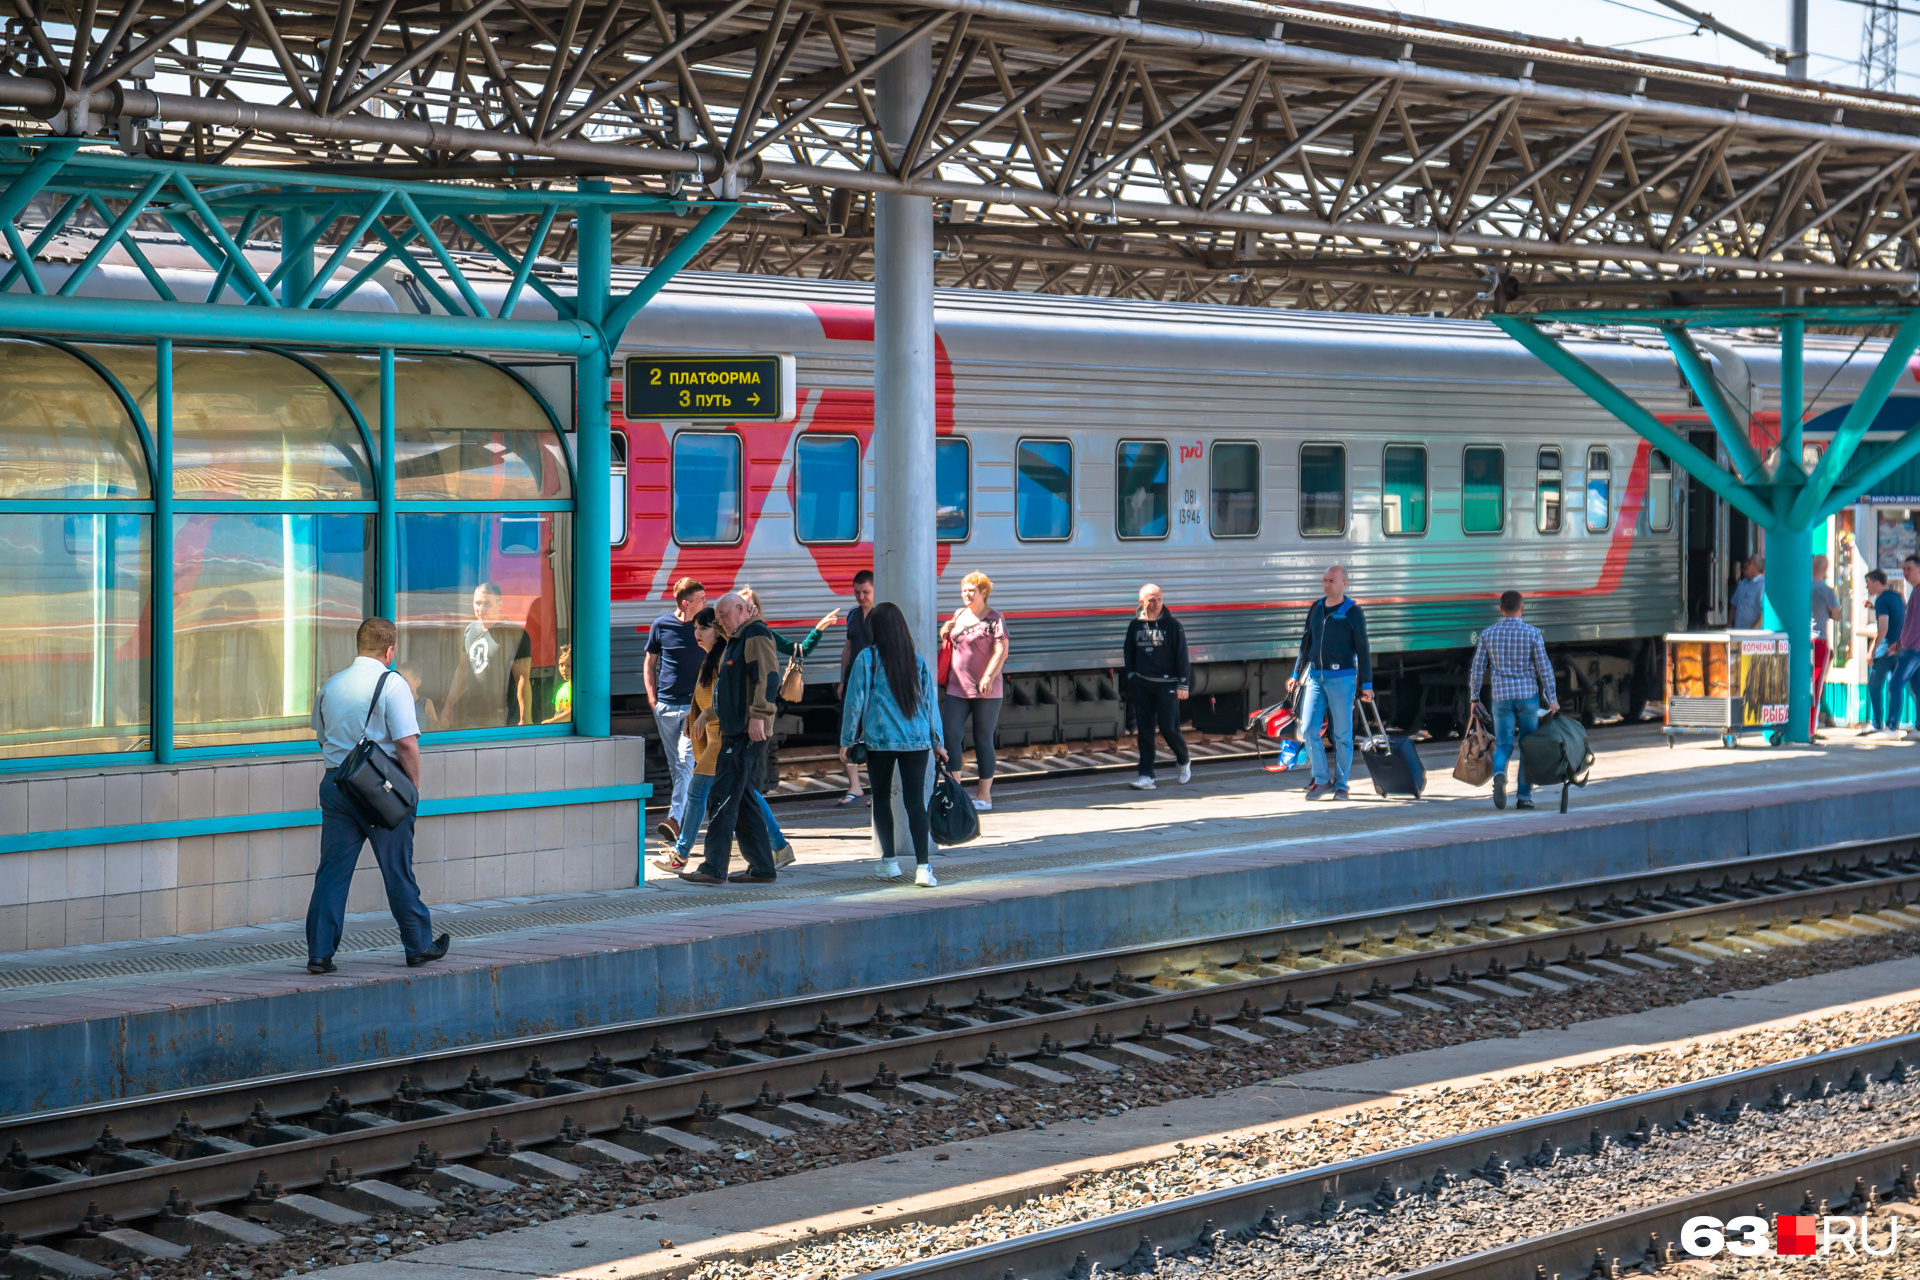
x=1516, y=657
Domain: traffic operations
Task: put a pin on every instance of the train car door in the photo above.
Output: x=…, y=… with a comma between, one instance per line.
x=1718, y=538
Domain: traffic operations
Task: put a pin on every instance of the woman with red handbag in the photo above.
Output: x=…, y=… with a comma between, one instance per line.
x=973, y=652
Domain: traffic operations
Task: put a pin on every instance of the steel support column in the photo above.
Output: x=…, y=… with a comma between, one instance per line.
x=386, y=522
x=904, y=563
x=161, y=678
x=592, y=549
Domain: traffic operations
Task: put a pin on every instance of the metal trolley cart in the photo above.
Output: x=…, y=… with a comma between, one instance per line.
x=1727, y=682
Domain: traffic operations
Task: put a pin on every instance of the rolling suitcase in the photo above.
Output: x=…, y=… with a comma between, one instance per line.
x=1391, y=761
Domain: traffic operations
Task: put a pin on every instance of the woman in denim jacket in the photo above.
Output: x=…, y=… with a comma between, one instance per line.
x=893, y=707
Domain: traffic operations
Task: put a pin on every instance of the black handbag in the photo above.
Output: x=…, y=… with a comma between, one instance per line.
x=373, y=781
x=951, y=817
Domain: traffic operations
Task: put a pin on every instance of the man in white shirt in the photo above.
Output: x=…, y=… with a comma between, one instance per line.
x=344, y=710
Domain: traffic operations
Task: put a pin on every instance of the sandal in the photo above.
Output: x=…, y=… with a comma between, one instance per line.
x=848, y=799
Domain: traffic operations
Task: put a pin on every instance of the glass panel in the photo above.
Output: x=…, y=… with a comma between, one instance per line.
x=265, y=610
x=63, y=433
x=1403, y=489
x=1599, y=500
x=952, y=490
x=706, y=487
x=1323, y=489
x=617, y=485
x=1043, y=489
x=1236, y=490
x=1659, y=493
x=250, y=426
x=1547, y=495
x=463, y=430
x=73, y=653
x=827, y=489
x=485, y=631
x=1140, y=489
x=1483, y=489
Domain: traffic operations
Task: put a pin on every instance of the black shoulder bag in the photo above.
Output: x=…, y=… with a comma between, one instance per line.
x=373, y=780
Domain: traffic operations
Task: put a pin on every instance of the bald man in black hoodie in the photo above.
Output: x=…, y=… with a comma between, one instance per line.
x=1156, y=676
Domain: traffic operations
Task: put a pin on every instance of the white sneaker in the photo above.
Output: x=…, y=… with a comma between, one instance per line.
x=923, y=876
x=1186, y=772
x=1142, y=783
x=889, y=869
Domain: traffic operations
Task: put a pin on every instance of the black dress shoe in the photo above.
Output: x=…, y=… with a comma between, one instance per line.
x=432, y=953
x=321, y=966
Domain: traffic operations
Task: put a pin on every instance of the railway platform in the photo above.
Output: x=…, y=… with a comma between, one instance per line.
x=1064, y=866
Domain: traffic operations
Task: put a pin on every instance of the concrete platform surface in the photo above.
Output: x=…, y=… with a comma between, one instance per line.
x=1080, y=865
x=760, y=1219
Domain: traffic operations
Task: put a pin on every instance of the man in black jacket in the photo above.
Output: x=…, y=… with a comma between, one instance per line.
x=1334, y=657
x=743, y=693
x=1157, y=675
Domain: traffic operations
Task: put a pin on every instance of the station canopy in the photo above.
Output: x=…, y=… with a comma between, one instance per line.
x=1308, y=155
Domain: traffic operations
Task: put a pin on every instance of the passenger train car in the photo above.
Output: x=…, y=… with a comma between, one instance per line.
x=1086, y=446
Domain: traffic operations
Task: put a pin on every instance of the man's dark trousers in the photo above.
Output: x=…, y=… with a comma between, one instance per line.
x=741, y=759
x=342, y=832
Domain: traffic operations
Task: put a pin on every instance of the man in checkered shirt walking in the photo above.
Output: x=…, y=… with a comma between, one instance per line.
x=1516, y=657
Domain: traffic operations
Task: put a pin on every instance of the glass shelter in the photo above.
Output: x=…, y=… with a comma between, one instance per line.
x=265, y=537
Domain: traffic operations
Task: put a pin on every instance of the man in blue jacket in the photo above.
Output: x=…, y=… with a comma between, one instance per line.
x=1334, y=657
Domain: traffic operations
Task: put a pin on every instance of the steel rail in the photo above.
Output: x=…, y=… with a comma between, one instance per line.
x=68, y=1129
x=1223, y=1014
x=1110, y=1240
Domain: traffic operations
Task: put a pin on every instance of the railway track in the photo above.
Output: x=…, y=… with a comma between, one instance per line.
x=744, y=1075
x=1378, y=1186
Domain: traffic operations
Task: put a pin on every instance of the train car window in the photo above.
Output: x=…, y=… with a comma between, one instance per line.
x=826, y=489
x=1659, y=493
x=706, y=487
x=1403, y=490
x=1140, y=489
x=1599, y=497
x=1236, y=489
x=952, y=488
x=1323, y=490
x=1483, y=489
x=1043, y=490
x=1547, y=492
x=617, y=486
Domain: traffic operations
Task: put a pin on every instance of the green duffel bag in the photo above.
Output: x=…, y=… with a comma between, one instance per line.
x=1557, y=752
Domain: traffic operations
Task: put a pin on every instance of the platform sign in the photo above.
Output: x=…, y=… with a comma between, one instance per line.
x=719, y=387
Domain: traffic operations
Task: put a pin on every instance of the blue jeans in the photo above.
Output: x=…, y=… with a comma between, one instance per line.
x=697, y=788
x=1906, y=678
x=1513, y=719
x=342, y=832
x=670, y=720
x=1329, y=697
x=1881, y=716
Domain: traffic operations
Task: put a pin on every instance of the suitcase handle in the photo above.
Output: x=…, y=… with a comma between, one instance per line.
x=1379, y=729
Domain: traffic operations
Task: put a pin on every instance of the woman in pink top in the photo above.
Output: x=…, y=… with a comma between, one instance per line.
x=978, y=635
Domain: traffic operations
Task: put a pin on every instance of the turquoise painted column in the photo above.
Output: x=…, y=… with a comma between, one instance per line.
x=162, y=610
x=592, y=518
x=386, y=521
x=295, y=226
x=1789, y=555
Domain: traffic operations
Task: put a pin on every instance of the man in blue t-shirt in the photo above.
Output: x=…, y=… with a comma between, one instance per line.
x=672, y=666
x=1889, y=616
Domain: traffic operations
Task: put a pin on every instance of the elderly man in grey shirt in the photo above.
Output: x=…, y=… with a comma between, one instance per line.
x=366, y=698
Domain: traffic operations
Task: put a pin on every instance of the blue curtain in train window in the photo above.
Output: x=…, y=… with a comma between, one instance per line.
x=1043, y=489
x=1140, y=489
x=1403, y=489
x=1323, y=490
x=1483, y=489
x=826, y=491
x=1599, y=498
x=952, y=488
x=706, y=487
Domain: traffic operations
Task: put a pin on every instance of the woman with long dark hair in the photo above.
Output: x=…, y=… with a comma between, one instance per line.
x=893, y=707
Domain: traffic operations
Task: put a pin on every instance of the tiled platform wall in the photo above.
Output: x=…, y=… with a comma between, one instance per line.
x=520, y=842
